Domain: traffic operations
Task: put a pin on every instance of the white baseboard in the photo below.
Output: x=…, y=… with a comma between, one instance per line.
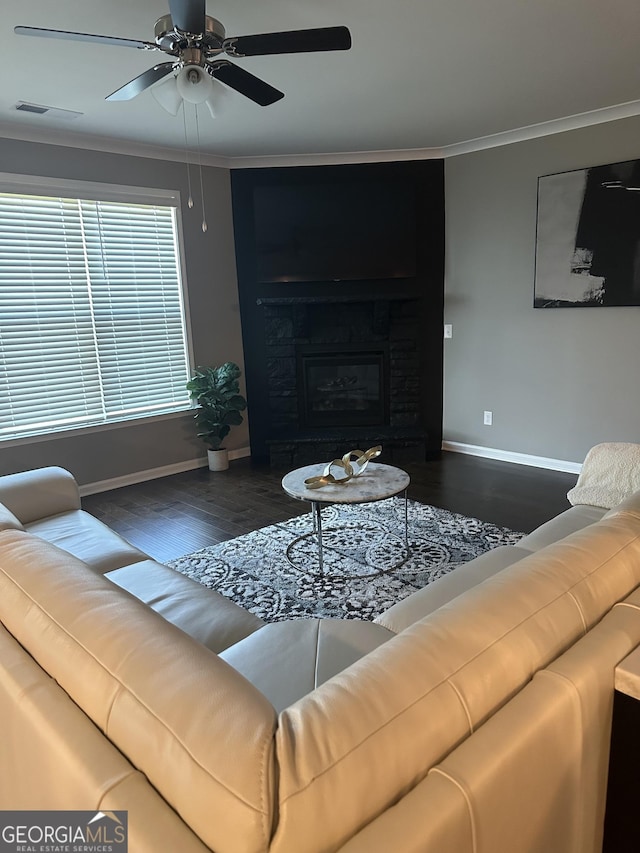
x=242, y=452
x=510, y=456
x=154, y=473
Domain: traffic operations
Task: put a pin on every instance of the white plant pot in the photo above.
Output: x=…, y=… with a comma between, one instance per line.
x=218, y=460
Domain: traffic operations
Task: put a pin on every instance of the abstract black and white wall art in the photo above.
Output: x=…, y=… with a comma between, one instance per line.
x=588, y=237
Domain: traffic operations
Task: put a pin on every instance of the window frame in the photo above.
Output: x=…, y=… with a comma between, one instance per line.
x=97, y=191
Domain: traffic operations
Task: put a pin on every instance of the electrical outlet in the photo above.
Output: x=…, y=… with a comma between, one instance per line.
x=448, y=330
x=488, y=418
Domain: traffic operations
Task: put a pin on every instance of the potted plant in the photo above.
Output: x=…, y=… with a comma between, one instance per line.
x=216, y=391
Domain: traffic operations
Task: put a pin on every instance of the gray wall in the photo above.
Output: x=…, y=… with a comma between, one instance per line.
x=213, y=304
x=558, y=381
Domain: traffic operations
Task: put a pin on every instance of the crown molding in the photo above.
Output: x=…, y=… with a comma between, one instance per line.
x=110, y=145
x=508, y=137
x=337, y=158
x=545, y=128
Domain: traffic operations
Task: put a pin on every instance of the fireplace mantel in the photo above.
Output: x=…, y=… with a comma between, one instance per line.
x=397, y=296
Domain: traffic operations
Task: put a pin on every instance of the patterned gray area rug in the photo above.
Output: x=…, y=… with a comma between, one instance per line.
x=366, y=565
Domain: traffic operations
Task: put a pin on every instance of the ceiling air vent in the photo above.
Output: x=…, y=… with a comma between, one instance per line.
x=40, y=110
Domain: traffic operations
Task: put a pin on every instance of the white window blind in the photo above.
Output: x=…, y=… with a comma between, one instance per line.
x=91, y=313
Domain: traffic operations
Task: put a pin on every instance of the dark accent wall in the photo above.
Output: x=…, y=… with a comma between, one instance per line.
x=419, y=285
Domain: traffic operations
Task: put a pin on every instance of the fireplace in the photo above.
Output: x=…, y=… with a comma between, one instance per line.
x=342, y=335
x=342, y=372
x=342, y=388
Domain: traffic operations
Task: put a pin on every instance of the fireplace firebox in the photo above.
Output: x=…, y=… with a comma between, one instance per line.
x=341, y=388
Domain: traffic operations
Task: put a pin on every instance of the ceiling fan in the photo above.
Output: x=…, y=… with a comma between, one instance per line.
x=196, y=42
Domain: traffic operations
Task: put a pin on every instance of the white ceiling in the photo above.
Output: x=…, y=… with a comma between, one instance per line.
x=420, y=75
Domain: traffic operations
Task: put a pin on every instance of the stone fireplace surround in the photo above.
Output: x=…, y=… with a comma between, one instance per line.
x=298, y=325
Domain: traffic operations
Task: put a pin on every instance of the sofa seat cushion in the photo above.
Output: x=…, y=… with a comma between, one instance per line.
x=441, y=591
x=88, y=539
x=287, y=660
x=562, y=525
x=202, y=613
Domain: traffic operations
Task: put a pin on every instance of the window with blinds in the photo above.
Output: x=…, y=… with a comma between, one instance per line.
x=92, y=326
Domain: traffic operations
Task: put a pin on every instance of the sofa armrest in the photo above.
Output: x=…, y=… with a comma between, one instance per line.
x=31, y=495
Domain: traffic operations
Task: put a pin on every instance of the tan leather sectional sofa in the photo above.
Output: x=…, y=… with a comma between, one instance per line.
x=473, y=716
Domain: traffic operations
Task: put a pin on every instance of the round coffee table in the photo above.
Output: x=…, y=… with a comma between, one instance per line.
x=376, y=483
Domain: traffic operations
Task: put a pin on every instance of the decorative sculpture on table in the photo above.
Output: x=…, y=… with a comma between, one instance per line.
x=351, y=467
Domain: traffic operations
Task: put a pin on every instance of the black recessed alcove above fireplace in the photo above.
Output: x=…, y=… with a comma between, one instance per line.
x=342, y=388
x=341, y=284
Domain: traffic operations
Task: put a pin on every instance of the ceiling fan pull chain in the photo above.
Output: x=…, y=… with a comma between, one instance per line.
x=204, y=217
x=186, y=153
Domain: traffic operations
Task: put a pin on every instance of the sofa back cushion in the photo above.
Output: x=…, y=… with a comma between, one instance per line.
x=367, y=736
x=39, y=725
x=201, y=734
x=534, y=776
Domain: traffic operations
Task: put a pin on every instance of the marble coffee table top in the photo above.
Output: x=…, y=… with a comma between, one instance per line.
x=376, y=483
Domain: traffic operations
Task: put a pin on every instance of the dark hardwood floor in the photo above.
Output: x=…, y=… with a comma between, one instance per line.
x=176, y=515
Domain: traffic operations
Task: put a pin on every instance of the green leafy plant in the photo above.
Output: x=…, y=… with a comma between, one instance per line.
x=215, y=390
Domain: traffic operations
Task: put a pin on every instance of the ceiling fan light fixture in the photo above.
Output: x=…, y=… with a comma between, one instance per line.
x=194, y=84
x=211, y=105
x=167, y=95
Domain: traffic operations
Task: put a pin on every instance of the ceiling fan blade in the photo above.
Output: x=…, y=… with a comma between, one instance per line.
x=188, y=15
x=88, y=37
x=294, y=41
x=142, y=82
x=247, y=84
